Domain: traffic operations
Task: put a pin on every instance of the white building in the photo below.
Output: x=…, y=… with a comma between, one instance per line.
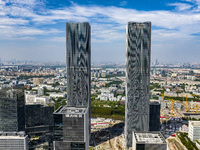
x=31, y=98
x=194, y=130
x=119, y=97
x=104, y=90
x=198, y=144
x=13, y=141
x=107, y=96
x=60, y=88
x=183, y=128
x=103, y=97
x=56, y=95
x=41, y=100
x=173, y=94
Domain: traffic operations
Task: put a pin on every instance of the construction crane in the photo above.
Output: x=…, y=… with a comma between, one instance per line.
x=186, y=108
x=185, y=103
x=170, y=104
x=171, y=107
x=197, y=106
x=164, y=95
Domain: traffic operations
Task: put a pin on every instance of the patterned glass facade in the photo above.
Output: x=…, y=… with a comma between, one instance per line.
x=78, y=64
x=138, y=48
x=12, y=115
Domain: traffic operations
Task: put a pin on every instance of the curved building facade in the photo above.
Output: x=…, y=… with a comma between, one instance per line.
x=78, y=63
x=138, y=51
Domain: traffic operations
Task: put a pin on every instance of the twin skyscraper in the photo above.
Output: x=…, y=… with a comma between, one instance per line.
x=138, y=50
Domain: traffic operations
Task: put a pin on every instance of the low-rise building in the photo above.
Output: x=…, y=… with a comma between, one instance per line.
x=36, y=99
x=148, y=141
x=13, y=141
x=56, y=95
x=183, y=128
x=38, y=81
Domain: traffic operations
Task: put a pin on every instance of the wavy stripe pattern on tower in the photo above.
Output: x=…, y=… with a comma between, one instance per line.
x=138, y=48
x=78, y=64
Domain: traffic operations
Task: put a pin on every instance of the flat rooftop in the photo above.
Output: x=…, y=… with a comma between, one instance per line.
x=79, y=110
x=154, y=102
x=149, y=137
x=195, y=123
x=12, y=135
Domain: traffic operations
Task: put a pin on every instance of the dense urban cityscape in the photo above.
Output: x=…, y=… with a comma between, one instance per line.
x=45, y=86
x=106, y=106
x=99, y=75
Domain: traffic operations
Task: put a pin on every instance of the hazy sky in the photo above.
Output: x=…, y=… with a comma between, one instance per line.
x=35, y=29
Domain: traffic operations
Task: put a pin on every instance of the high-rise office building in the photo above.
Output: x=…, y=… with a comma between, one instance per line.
x=138, y=48
x=78, y=64
x=12, y=115
x=154, y=116
x=71, y=130
x=72, y=122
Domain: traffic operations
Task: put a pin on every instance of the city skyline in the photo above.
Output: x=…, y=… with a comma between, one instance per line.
x=35, y=28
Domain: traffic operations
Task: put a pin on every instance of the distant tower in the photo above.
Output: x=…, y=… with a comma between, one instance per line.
x=138, y=49
x=78, y=64
x=156, y=63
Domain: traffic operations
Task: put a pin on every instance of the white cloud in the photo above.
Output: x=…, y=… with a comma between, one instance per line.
x=118, y=16
x=17, y=11
x=13, y=21
x=181, y=6
x=24, y=2
x=57, y=39
x=2, y=2
x=22, y=20
x=123, y=3
x=108, y=23
x=12, y=33
x=106, y=32
x=2, y=14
